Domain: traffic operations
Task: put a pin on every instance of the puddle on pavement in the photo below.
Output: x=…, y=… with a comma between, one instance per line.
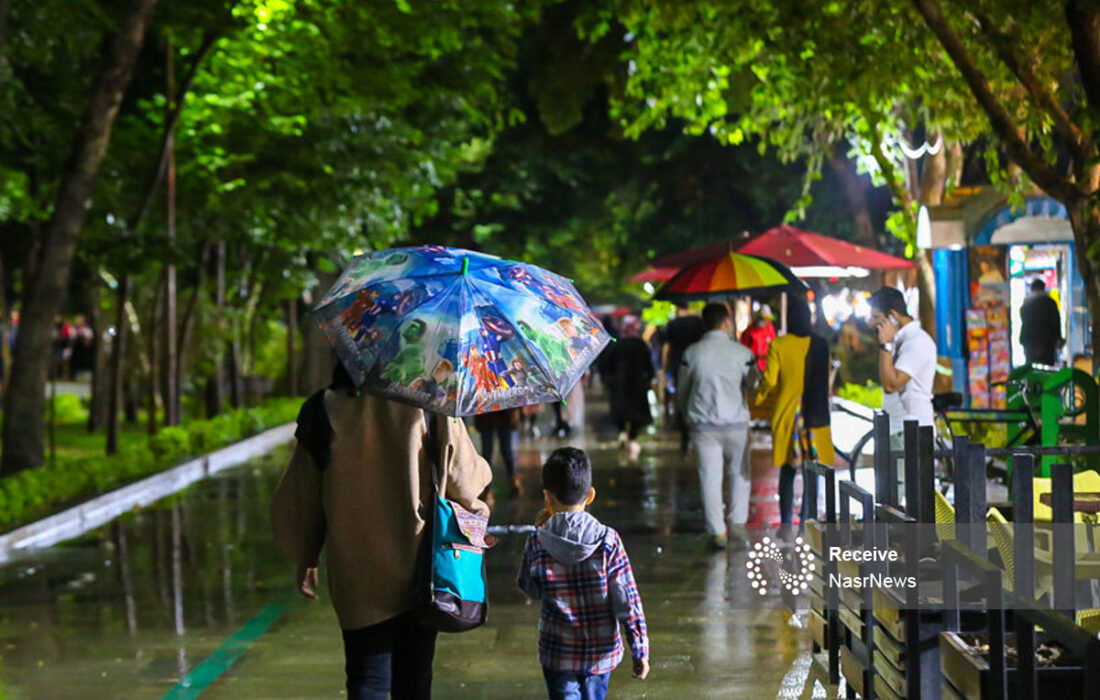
x=130, y=609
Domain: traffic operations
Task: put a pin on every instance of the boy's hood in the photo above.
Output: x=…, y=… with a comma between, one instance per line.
x=571, y=537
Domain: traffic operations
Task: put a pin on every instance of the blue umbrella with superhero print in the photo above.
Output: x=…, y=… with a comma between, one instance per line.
x=459, y=332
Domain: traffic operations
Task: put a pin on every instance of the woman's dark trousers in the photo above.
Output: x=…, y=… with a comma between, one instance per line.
x=394, y=656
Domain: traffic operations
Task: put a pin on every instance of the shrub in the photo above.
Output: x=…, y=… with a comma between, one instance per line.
x=170, y=443
x=251, y=422
x=34, y=493
x=69, y=409
x=869, y=394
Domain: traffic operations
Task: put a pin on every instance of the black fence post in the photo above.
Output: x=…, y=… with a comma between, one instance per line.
x=951, y=617
x=959, y=446
x=832, y=596
x=925, y=512
x=1090, y=662
x=911, y=442
x=1064, y=554
x=809, y=496
x=970, y=499
x=998, y=672
x=882, y=458
x=1023, y=546
x=1023, y=541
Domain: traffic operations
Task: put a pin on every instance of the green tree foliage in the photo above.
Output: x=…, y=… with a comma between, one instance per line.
x=798, y=78
x=1020, y=80
x=566, y=187
x=309, y=130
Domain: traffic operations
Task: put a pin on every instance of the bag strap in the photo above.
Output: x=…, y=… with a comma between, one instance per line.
x=439, y=473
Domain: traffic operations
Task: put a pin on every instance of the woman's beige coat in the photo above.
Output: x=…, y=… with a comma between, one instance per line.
x=367, y=508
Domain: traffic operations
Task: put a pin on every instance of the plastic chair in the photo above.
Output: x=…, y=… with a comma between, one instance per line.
x=945, y=517
x=1043, y=512
x=1003, y=537
x=1087, y=480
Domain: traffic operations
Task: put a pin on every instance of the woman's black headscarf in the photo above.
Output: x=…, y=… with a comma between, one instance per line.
x=314, y=432
x=815, y=391
x=798, y=317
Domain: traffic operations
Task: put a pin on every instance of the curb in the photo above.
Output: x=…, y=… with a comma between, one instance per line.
x=102, y=509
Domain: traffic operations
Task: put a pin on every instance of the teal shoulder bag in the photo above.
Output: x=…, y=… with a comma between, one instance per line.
x=453, y=550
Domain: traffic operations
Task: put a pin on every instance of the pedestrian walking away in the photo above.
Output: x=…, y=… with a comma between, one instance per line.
x=359, y=486
x=578, y=568
x=631, y=379
x=797, y=371
x=1040, y=326
x=500, y=427
x=680, y=333
x=712, y=400
x=760, y=334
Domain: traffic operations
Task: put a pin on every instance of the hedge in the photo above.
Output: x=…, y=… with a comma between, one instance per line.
x=36, y=493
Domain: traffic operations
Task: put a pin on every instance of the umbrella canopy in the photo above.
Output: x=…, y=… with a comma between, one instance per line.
x=809, y=254
x=803, y=249
x=458, y=332
x=655, y=274
x=727, y=275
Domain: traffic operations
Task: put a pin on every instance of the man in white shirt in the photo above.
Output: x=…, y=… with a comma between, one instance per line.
x=710, y=396
x=906, y=360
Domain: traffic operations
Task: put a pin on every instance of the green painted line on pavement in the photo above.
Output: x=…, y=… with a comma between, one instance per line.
x=231, y=650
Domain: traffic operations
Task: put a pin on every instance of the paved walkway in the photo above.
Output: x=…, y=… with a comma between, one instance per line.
x=193, y=589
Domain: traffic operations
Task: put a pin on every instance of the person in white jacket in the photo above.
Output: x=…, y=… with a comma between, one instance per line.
x=712, y=401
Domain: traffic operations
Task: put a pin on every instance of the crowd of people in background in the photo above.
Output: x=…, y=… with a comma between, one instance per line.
x=73, y=348
x=712, y=386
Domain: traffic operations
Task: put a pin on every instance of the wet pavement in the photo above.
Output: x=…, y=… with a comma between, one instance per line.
x=132, y=609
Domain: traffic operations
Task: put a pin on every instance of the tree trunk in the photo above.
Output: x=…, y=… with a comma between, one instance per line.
x=97, y=412
x=118, y=351
x=171, y=342
x=156, y=379
x=855, y=191
x=1086, y=232
x=5, y=329
x=24, y=414
x=933, y=183
x=233, y=371
x=955, y=162
x=291, y=339
x=926, y=286
x=130, y=397
x=5, y=9
x=187, y=324
x=215, y=384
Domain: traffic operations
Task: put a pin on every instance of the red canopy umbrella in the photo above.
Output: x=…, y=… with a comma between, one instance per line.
x=786, y=244
x=797, y=248
x=656, y=274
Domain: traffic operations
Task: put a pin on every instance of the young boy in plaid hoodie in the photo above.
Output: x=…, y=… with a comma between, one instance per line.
x=578, y=568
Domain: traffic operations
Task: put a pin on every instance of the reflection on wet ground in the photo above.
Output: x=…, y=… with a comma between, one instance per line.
x=132, y=609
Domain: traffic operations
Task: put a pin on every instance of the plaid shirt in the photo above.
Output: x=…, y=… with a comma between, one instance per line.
x=582, y=605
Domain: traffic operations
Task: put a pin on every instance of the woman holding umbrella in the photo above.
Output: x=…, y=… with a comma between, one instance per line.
x=419, y=332
x=362, y=465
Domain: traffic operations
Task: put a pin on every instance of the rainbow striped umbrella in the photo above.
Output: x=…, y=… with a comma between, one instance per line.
x=727, y=275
